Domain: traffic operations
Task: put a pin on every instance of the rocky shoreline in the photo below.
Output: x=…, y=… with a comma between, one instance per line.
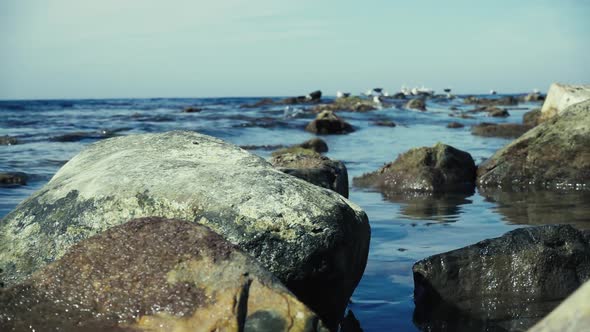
x=205, y=226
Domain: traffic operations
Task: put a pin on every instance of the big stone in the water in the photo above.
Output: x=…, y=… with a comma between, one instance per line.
x=314, y=240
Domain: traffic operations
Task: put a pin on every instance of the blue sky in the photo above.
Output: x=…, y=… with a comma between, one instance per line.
x=182, y=48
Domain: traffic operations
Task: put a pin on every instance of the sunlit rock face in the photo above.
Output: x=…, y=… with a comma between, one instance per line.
x=560, y=97
x=437, y=169
x=154, y=274
x=508, y=282
x=314, y=240
x=554, y=155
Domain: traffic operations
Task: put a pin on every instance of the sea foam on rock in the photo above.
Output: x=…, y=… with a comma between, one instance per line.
x=555, y=155
x=154, y=274
x=314, y=240
x=511, y=281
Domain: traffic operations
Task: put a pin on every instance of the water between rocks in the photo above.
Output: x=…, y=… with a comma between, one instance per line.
x=404, y=229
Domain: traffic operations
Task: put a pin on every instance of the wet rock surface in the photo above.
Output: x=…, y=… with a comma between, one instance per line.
x=455, y=125
x=506, y=283
x=327, y=122
x=314, y=168
x=506, y=130
x=314, y=240
x=440, y=168
x=555, y=154
x=154, y=274
x=8, y=179
x=8, y=140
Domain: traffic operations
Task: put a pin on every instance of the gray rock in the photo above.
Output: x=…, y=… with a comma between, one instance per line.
x=328, y=123
x=152, y=273
x=555, y=154
x=416, y=104
x=314, y=240
x=506, y=130
x=440, y=168
x=315, y=168
x=511, y=281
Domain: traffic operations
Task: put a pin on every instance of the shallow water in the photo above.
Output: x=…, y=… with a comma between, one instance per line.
x=404, y=229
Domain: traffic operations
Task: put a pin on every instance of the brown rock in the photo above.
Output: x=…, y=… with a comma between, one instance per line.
x=154, y=274
x=328, y=123
x=532, y=118
x=507, y=130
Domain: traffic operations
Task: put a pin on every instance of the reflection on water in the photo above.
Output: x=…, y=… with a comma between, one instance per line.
x=542, y=207
x=436, y=207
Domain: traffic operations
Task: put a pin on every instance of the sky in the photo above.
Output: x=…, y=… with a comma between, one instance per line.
x=52, y=49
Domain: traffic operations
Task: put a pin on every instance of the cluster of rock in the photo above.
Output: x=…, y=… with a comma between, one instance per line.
x=327, y=122
x=314, y=241
x=311, y=98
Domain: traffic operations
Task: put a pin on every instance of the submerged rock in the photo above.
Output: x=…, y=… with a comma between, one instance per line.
x=314, y=145
x=314, y=240
x=416, y=104
x=509, y=282
x=154, y=274
x=385, y=123
x=81, y=135
x=573, y=314
x=314, y=168
x=560, y=97
x=440, y=168
x=192, y=109
x=455, y=125
x=503, y=101
x=506, y=130
x=328, y=123
x=13, y=179
x=8, y=140
x=555, y=154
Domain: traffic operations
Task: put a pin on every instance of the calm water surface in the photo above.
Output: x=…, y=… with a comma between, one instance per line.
x=404, y=229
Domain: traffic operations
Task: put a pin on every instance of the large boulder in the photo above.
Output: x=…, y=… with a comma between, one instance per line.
x=561, y=96
x=555, y=154
x=314, y=240
x=154, y=274
x=510, y=282
x=571, y=315
x=314, y=168
x=328, y=123
x=440, y=168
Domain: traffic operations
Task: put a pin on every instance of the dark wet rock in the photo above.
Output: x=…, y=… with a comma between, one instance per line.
x=8, y=140
x=349, y=104
x=314, y=168
x=350, y=323
x=555, y=154
x=455, y=125
x=314, y=96
x=384, y=123
x=13, y=179
x=416, y=104
x=440, y=168
x=531, y=118
x=327, y=123
x=532, y=97
x=80, y=136
x=267, y=147
x=511, y=281
x=152, y=273
x=542, y=207
x=498, y=113
x=314, y=240
x=399, y=95
x=260, y=103
x=192, y=109
x=506, y=130
x=453, y=108
x=560, y=97
x=503, y=101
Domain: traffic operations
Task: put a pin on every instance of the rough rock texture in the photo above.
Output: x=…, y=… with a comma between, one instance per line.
x=555, y=154
x=571, y=315
x=154, y=274
x=507, y=130
x=560, y=97
x=531, y=118
x=312, y=146
x=8, y=140
x=440, y=168
x=351, y=104
x=511, y=281
x=314, y=240
x=416, y=104
x=328, y=123
x=314, y=168
x=13, y=179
